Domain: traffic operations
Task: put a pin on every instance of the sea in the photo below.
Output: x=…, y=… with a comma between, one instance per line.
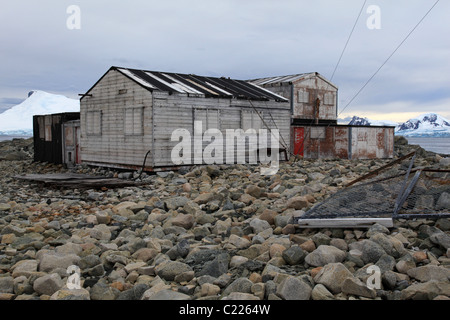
x=3, y=138
x=437, y=145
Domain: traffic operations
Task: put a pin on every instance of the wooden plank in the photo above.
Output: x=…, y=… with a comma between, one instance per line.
x=344, y=222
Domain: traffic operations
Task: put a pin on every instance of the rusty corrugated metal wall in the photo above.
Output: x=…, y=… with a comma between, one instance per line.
x=344, y=142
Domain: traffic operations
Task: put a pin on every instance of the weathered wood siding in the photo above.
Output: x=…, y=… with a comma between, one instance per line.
x=108, y=135
x=122, y=121
x=173, y=112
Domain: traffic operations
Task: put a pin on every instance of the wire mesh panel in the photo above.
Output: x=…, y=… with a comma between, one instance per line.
x=431, y=194
x=397, y=191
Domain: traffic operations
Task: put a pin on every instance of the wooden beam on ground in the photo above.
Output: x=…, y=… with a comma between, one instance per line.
x=376, y=171
x=344, y=222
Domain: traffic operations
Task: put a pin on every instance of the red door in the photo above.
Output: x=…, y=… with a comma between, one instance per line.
x=299, y=136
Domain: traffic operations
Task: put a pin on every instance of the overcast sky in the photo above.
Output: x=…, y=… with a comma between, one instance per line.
x=234, y=38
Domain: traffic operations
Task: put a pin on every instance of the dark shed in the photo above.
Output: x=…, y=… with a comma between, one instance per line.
x=48, y=137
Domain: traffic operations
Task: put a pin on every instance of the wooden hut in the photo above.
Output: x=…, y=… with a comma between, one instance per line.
x=128, y=116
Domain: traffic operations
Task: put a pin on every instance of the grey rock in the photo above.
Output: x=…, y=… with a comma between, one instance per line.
x=167, y=294
x=239, y=285
x=371, y=251
x=241, y=296
x=320, y=292
x=354, y=286
x=101, y=232
x=6, y=285
x=429, y=272
x=176, y=202
x=321, y=239
x=443, y=202
x=52, y=260
x=17, y=231
x=377, y=228
x=48, y=284
x=441, y=239
x=71, y=294
x=426, y=291
x=443, y=224
x=389, y=280
x=333, y=276
x=102, y=291
x=281, y=221
x=24, y=268
x=171, y=269
x=339, y=243
x=134, y=293
x=293, y=288
x=259, y=225
x=216, y=267
x=386, y=263
x=293, y=255
x=385, y=243
x=213, y=171
x=254, y=191
x=89, y=261
x=54, y=225
x=324, y=255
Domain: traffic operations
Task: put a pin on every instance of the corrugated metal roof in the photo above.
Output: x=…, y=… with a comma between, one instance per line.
x=288, y=79
x=199, y=85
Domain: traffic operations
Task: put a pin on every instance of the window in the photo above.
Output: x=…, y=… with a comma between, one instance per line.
x=133, y=121
x=210, y=118
x=329, y=98
x=251, y=120
x=94, y=123
x=303, y=96
x=48, y=128
x=41, y=126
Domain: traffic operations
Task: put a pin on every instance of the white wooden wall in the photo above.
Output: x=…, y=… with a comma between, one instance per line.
x=116, y=141
x=113, y=135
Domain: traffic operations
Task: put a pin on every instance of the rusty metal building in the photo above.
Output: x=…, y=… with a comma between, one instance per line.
x=128, y=115
x=54, y=142
x=314, y=129
x=312, y=97
x=342, y=141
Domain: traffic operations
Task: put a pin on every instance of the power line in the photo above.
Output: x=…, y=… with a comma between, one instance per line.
x=390, y=56
x=348, y=40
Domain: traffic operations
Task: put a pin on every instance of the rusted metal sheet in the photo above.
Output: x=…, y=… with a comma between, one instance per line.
x=369, y=142
x=71, y=180
x=341, y=141
x=313, y=98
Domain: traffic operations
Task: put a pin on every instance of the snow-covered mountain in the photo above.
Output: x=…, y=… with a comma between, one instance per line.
x=425, y=125
x=19, y=119
x=358, y=121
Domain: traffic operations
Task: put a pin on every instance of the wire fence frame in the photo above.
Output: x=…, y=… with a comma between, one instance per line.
x=414, y=194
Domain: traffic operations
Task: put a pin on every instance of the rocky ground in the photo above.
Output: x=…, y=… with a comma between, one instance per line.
x=209, y=233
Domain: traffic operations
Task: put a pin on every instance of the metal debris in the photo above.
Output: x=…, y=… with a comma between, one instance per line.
x=389, y=192
x=79, y=181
